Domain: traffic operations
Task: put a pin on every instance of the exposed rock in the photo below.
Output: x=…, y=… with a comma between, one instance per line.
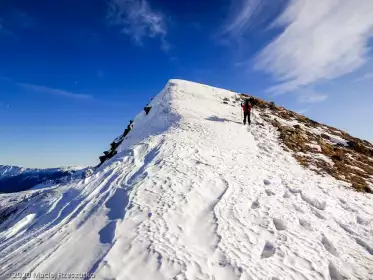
x=272, y=105
x=352, y=163
x=325, y=136
x=102, y=159
x=360, y=147
x=147, y=109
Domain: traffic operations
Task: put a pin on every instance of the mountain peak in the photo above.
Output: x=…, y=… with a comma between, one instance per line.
x=189, y=192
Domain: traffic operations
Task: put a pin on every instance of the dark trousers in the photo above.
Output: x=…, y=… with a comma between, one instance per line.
x=246, y=115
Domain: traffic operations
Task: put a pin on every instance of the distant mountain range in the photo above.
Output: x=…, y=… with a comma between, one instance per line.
x=15, y=179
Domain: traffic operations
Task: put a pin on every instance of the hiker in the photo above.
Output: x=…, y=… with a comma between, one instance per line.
x=246, y=107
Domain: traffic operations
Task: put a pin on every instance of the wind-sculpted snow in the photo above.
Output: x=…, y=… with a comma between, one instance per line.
x=193, y=194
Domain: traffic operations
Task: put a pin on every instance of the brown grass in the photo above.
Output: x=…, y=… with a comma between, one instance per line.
x=295, y=139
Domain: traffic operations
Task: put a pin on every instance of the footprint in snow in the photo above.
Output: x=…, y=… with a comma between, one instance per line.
x=365, y=245
x=266, y=182
x=298, y=208
x=294, y=191
x=306, y=225
x=318, y=214
x=269, y=250
x=329, y=246
x=286, y=195
x=321, y=205
x=279, y=224
x=361, y=220
x=255, y=204
x=347, y=207
x=269, y=192
x=334, y=273
x=342, y=201
x=346, y=228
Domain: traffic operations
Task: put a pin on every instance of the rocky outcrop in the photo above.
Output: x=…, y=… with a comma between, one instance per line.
x=321, y=148
x=116, y=143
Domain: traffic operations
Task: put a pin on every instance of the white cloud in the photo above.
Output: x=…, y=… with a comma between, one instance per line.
x=322, y=40
x=242, y=15
x=310, y=96
x=137, y=19
x=53, y=91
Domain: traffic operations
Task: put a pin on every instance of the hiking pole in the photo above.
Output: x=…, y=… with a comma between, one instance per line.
x=252, y=115
x=241, y=112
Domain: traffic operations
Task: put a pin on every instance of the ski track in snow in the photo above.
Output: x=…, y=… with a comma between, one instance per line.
x=194, y=194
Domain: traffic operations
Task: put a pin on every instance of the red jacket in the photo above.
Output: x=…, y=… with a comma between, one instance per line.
x=246, y=109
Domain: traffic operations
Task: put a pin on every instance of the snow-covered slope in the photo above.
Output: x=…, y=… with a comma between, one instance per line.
x=15, y=179
x=193, y=194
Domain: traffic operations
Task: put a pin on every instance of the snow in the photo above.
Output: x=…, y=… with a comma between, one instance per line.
x=18, y=226
x=317, y=157
x=338, y=140
x=194, y=194
x=284, y=122
x=323, y=157
x=334, y=139
x=314, y=146
x=7, y=170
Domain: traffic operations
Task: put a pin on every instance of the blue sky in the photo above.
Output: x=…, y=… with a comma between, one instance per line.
x=74, y=72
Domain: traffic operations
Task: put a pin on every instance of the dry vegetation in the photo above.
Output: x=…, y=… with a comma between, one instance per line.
x=351, y=162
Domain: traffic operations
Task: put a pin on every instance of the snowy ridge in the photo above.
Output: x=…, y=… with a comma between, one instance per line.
x=15, y=179
x=9, y=170
x=193, y=194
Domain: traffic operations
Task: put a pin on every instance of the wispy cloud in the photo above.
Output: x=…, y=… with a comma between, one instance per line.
x=54, y=91
x=322, y=40
x=310, y=96
x=137, y=19
x=241, y=16
x=365, y=77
